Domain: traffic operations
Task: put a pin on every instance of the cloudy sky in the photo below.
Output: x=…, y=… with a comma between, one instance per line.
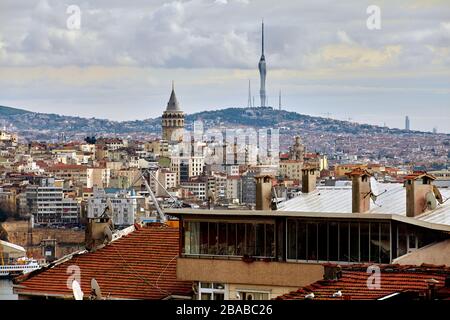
x=120, y=63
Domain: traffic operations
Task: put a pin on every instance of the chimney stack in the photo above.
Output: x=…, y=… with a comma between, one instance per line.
x=309, y=178
x=332, y=272
x=264, y=192
x=98, y=230
x=417, y=186
x=360, y=190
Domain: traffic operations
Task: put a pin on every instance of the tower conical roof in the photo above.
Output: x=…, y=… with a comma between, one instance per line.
x=173, y=105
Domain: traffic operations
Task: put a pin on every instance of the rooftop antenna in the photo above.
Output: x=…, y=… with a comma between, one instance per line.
x=249, y=103
x=375, y=191
x=76, y=289
x=279, y=101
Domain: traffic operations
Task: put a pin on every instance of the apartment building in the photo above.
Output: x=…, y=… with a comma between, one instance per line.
x=124, y=205
x=291, y=169
x=186, y=167
x=46, y=202
x=99, y=177
x=70, y=172
x=196, y=187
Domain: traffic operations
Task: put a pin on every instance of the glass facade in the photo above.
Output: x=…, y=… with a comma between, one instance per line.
x=229, y=239
x=320, y=241
x=304, y=239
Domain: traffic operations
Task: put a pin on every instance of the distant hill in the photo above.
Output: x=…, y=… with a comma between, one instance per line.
x=43, y=126
x=8, y=111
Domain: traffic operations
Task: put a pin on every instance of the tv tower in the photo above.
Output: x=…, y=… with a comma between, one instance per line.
x=262, y=71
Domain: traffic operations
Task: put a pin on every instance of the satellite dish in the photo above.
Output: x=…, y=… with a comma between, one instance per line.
x=374, y=187
x=310, y=296
x=96, y=293
x=438, y=194
x=108, y=233
x=76, y=289
x=109, y=204
x=431, y=201
x=373, y=197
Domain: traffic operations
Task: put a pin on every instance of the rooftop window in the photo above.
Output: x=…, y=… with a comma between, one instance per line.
x=229, y=239
x=323, y=241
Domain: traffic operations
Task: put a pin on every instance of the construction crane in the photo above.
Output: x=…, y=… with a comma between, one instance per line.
x=161, y=214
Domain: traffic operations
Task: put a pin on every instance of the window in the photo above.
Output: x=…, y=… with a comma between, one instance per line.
x=354, y=242
x=375, y=244
x=252, y=295
x=344, y=244
x=333, y=240
x=312, y=241
x=292, y=242
x=301, y=240
x=364, y=241
x=229, y=239
x=211, y=291
x=385, y=242
x=322, y=238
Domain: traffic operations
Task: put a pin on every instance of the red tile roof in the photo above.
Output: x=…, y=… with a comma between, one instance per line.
x=359, y=172
x=140, y=265
x=394, y=279
x=418, y=175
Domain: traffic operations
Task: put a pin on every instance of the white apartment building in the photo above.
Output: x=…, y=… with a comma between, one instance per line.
x=47, y=204
x=123, y=206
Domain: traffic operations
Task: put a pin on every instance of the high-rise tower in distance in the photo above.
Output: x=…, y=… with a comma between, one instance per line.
x=262, y=71
x=407, y=123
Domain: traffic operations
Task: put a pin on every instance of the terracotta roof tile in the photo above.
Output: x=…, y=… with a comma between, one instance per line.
x=140, y=265
x=394, y=279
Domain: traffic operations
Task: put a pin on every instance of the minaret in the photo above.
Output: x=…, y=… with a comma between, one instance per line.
x=262, y=71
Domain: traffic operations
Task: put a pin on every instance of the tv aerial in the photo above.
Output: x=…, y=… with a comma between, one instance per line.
x=76, y=289
x=375, y=191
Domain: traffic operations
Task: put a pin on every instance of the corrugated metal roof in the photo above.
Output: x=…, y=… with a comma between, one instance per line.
x=339, y=200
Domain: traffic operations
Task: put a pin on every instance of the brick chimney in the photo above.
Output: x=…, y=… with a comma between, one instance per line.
x=264, y=192
x=332, y=272
x=96, y=233
x=417, y=186
x=360, y=190
x=309, y=177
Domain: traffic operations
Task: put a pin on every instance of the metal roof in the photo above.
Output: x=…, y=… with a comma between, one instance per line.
x=339, y=200
x=9, y=247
